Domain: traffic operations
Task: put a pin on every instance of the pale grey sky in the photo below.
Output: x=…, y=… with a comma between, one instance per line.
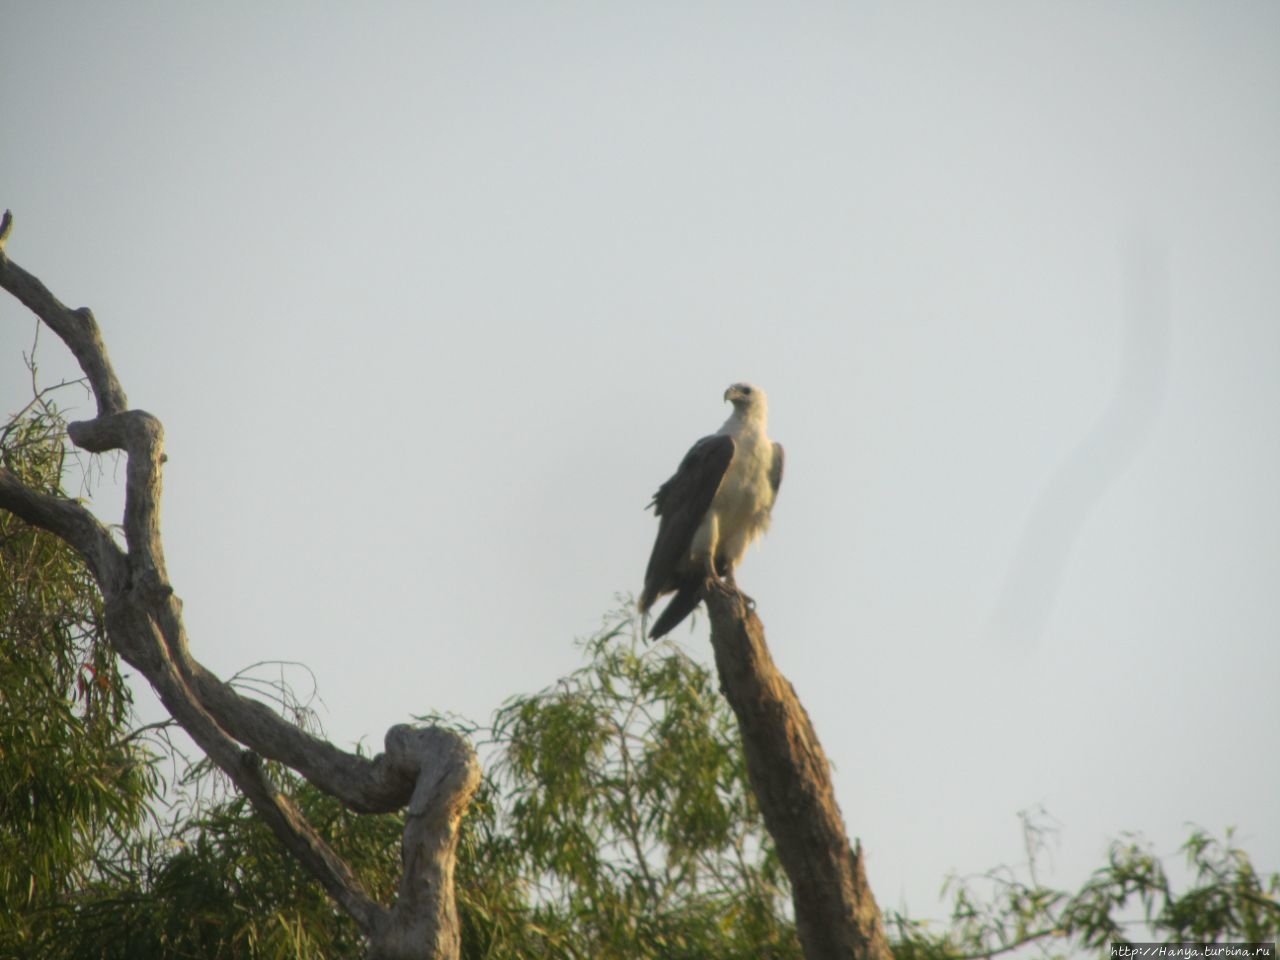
x=430, y=297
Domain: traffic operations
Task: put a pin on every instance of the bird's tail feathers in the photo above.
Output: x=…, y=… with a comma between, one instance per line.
x=646, y=601
x=681, y=606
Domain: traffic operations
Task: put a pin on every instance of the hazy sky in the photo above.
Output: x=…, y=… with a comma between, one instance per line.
x=431, y=297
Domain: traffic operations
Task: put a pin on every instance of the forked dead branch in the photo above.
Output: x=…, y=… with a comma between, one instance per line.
x=432, y=772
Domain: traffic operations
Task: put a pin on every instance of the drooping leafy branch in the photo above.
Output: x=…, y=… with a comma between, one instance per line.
x=1133, y=898
x=76, y=780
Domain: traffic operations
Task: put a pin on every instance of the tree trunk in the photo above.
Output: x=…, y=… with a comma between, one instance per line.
x=836, y=913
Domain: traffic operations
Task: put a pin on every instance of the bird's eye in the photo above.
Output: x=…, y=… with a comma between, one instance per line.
x=747, y=391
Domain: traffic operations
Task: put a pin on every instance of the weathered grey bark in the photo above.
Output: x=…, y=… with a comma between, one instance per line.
x=432, y=771
x=836, y=913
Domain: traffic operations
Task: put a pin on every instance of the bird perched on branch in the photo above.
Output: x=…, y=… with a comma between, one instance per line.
x=713, y=507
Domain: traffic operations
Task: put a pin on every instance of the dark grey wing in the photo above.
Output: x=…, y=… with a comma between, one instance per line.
x=775, y=469
x=680, y=504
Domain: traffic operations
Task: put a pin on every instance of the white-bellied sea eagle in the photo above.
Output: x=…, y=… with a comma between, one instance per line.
x=713, y=507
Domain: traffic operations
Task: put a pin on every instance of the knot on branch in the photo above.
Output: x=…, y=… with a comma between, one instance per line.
x=251, y=763
x=149, y=586
x=134, y=431
x=441, y=764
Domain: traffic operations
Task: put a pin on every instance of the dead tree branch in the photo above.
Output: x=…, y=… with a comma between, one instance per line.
x=836, y=914
x=433, y=772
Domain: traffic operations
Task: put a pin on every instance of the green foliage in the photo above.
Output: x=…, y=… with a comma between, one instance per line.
x=1007, y=911
x=615, y=819
x=616, y=822
x=217, y=883
x=75, y=785
x=618, y=807
x=223, y=887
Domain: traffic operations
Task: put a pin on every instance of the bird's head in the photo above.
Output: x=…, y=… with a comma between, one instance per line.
x=747, y=400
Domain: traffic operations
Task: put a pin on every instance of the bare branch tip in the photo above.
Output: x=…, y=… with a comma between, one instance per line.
x=6, y=227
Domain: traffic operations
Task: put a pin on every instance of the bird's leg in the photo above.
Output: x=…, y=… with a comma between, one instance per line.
x=721, y=572
x=713, y=572
x=724, y=569
x=713, y=560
